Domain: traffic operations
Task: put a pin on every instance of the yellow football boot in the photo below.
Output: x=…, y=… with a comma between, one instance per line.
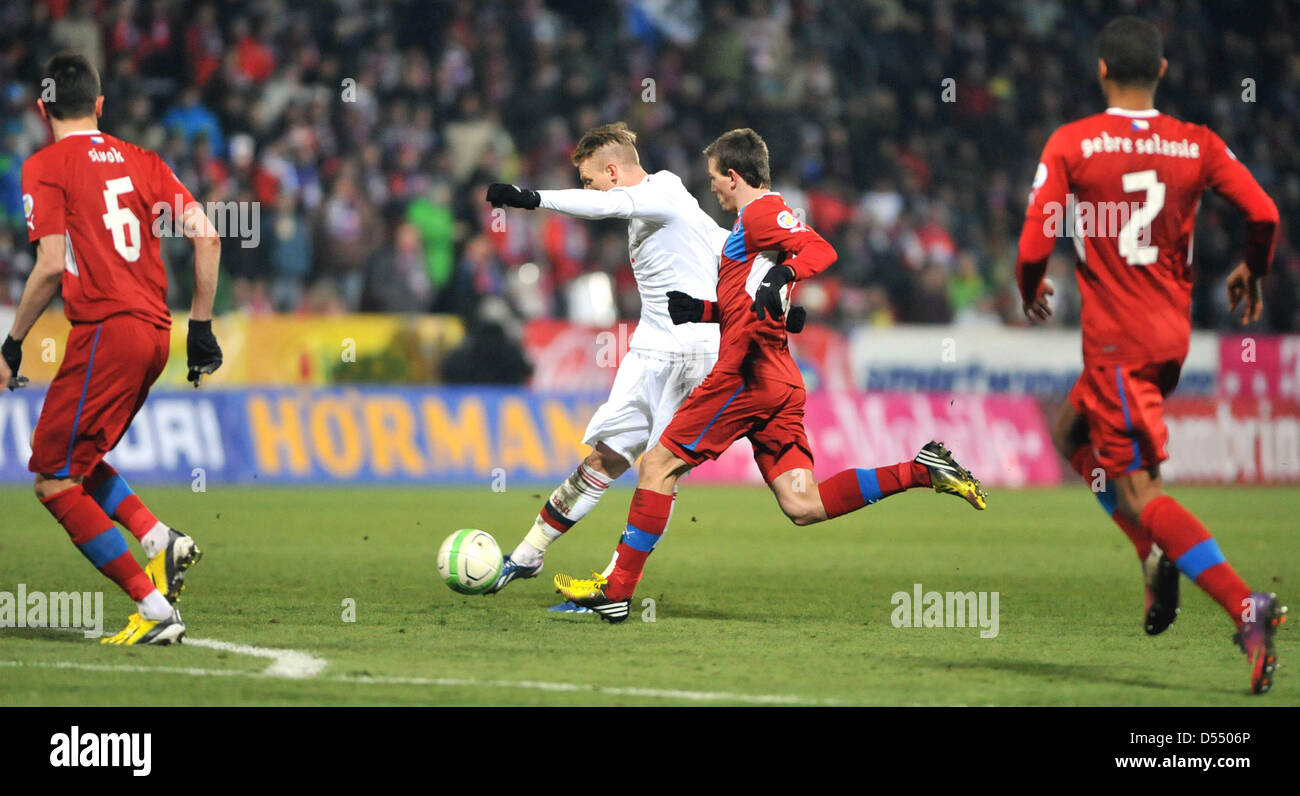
x=139, y=630
x=946, y=475
x=591, y=594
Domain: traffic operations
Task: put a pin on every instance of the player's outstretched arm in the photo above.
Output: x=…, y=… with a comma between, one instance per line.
x=630, y=202
x=42, y=285
x=203, y=355
x=499, y=194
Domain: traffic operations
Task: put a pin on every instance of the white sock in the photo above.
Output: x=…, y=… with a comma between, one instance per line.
x=155, y=541
x=154, y=606
x=570, y=502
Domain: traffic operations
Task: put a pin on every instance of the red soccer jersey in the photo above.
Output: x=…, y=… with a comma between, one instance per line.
x=1125, y=185
x=101, y=194
x=766, y=233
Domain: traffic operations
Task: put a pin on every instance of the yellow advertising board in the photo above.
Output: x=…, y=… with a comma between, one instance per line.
x=286, y=349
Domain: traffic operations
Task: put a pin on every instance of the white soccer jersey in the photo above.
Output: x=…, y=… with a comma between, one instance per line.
x=672, y=244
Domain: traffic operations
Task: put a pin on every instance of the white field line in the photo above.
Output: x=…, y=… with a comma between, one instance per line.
x=285, y=663
x=289, y=664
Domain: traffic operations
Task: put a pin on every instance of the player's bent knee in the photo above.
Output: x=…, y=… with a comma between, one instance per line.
x=1133, y=494
x=47, y=485
x=659, y=462
x=607, y=462
x=802, y=511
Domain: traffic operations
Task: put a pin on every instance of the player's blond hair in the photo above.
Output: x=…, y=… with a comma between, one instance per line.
x=607, y=135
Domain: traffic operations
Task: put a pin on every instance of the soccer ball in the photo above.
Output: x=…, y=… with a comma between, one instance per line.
x=469, y=561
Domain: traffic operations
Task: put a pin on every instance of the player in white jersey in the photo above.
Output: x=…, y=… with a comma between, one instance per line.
x=673, y=245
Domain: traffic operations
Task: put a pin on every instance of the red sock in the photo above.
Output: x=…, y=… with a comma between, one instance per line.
x=115, y=497
x=646, y=521
x=98, y=540
x=850, y=490
x=1084, y=461
x=1139, y=536
x=1185, y=540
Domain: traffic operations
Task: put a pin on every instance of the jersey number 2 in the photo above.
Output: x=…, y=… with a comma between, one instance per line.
x=120, y=221
x=1137, y=229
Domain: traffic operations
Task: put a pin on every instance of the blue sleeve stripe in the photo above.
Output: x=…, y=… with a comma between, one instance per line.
x=111, y=493
x=869, y=486
x=1200, y=558
x=104, y=548
x=638, y=539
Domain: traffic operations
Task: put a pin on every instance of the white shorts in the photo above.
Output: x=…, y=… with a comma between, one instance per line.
x=648, y=389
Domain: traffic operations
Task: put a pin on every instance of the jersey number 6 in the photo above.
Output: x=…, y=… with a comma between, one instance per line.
x=123, y=224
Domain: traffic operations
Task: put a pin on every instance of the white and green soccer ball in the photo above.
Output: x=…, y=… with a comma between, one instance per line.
x=469, y=561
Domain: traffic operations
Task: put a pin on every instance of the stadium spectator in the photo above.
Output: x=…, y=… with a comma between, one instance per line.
x=291, y=252
x=398, y=280
x=348, y=228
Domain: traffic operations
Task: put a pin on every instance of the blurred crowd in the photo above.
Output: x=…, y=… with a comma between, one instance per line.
x=907, y=132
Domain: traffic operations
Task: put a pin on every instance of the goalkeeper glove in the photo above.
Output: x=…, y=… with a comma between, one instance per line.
x=767, y=299
x=202, y=354
x=499, y=194
x=684, y=309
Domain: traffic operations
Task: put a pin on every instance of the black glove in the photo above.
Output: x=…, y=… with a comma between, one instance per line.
x=794, y=319
x=768, y=297
x=499, y=194
x=684, y=309
x=13, y=354
x=202, y=354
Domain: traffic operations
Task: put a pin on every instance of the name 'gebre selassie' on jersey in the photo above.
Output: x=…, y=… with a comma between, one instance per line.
x=1151, y=145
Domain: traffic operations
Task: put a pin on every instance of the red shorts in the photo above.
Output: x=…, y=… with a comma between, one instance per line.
x=724, y=408
x=105, y=376
x=1124, y=408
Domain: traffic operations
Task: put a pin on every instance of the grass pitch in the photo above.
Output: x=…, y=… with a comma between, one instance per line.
x=748, y=608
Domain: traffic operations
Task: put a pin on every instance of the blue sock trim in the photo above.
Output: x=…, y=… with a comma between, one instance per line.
x=1199, y=558
x=638, y=539
x=104, y=548
x=869, y=486
x=111, y=493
